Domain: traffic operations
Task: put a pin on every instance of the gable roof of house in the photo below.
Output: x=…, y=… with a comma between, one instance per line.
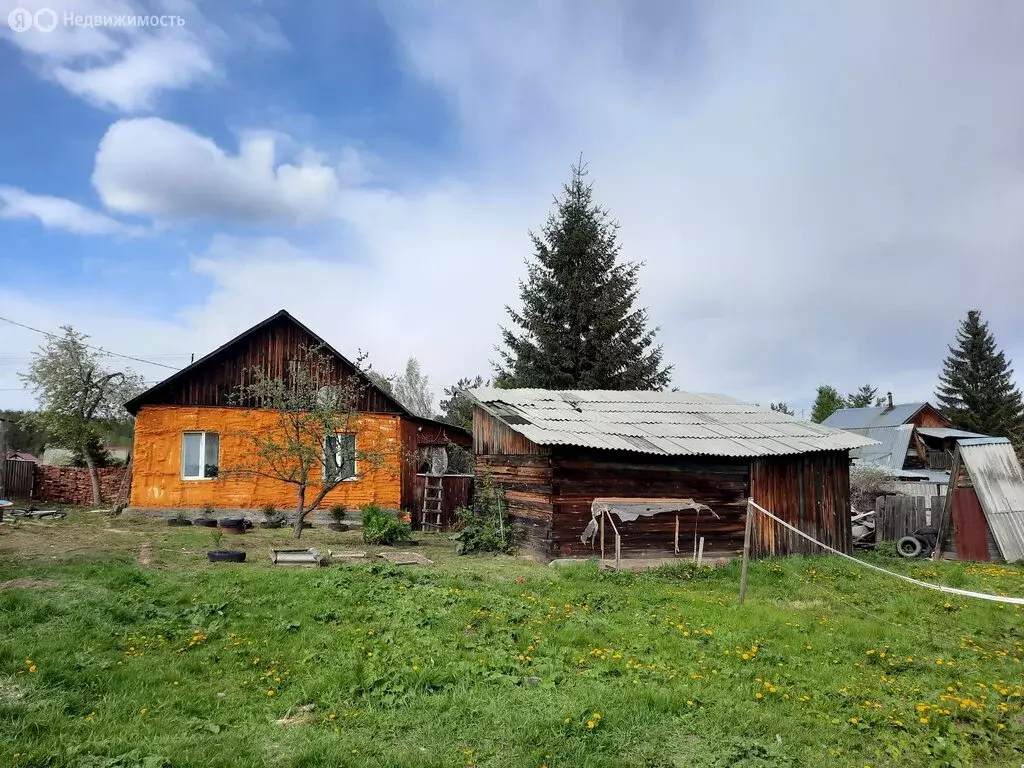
x=666, y=423
x=866, y=418
x=999, y=482
x=152, y=394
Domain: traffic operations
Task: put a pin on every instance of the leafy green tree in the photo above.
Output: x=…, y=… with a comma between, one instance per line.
x=865, y=397
x=579, y=327
x=456, y=408
x=827, y=402
x=782, y=407
x=976, y=390
x=78, y=395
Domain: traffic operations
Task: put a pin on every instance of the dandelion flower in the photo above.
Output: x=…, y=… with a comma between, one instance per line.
x=271, y=692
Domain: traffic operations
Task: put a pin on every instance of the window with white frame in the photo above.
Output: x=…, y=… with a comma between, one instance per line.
x=200, y=455
x=340, y=457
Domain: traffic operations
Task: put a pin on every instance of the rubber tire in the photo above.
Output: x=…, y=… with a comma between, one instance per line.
x=909, y=546
x=176, y=523
x=226, y=556
x=232, y=522
x=205, y=522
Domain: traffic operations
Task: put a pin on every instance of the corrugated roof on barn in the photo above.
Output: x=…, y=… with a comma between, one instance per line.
x=999, y=482
x=665, y=423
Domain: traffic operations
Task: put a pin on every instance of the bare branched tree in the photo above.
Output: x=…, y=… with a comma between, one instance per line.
x=313, y=444
x=77, y=394
x=867, y=482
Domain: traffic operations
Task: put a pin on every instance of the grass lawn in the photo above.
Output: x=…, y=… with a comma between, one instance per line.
x=484, y=661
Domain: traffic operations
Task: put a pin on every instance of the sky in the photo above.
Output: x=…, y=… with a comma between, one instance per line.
x=818, y=191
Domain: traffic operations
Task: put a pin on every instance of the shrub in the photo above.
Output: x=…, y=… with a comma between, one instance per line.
x=208, y=511
x=485, y=529
x=382, y=527
x=269, y=511
x=337, y=513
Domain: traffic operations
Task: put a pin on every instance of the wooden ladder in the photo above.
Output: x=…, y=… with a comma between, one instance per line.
x=432, y=516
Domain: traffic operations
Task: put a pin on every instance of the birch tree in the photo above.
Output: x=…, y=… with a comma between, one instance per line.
x=312, y=444
x=78, y=393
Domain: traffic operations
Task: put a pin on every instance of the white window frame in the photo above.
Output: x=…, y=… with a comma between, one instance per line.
x=355, y=457
x=202, y=455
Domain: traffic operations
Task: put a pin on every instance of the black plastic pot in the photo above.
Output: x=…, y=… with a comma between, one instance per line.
x=205, y=522
x=338, y=526
x=176, y=522
x=226, y=556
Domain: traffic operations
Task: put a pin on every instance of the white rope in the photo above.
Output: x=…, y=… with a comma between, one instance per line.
x=939, y=587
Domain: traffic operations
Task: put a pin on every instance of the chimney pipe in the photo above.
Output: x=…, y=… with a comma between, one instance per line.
x=890, y=398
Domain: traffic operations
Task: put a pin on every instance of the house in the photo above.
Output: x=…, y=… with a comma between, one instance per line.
x=983, y=517
x=555, y=452
x=188, y=428
x=915, y=440
x=21, y=456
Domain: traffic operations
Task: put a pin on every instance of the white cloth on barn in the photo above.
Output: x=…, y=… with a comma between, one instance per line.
x=628, y=510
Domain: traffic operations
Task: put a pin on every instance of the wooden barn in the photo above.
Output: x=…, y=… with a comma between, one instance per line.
x=189, y=430
x=983, y=517
x=555, y=452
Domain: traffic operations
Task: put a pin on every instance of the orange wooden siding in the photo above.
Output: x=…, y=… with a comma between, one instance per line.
x=156, y=464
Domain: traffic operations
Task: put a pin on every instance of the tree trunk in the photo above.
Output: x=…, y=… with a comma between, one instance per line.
x=300, y=511
x=94, y=476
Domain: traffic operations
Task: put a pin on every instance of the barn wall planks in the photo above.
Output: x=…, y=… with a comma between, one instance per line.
x=491, y=437
x=581, y=475
x=526, y=481
x=810, y=491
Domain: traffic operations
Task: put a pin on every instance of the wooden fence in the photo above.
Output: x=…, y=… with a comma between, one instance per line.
x=898, y=516
x=19, y=479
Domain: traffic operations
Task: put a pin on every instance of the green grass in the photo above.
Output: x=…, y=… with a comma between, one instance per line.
x=484, y=661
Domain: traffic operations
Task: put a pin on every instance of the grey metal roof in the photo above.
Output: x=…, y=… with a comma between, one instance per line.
x=865, y=418
x=944, y=433
x=999, y=482
x=666, y=423
x=890, y=453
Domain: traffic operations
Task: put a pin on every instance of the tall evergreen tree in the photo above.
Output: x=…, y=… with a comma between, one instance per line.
x=976, y=390
x=578, y=327
x=827, y=402
x=865, y=397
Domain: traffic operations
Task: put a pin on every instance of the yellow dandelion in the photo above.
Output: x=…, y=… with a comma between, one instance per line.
x=271, y=692
x=567, y=720
x=922, y=719
x=758, y=695
x=591, y=724
x=854, y=720
x=32, y=668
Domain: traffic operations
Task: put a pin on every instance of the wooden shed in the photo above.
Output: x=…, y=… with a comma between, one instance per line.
x=983, y=517
x=555, y=452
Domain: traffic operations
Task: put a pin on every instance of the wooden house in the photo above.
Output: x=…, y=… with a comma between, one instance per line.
x=555, y=452
x=189, y=427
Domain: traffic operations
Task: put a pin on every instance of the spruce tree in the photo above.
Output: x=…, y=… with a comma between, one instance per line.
x=826, y=402
x=865, y=397
x=976, y=390
x=579, y=327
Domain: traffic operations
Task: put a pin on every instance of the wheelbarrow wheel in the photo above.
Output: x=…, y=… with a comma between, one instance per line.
x=909, y=546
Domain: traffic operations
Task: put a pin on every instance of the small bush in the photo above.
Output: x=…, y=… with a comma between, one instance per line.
x=208, y=511
x=337, y=513
x=382, y=527
x=269, y=511
x=886, y=549
x=486, y=529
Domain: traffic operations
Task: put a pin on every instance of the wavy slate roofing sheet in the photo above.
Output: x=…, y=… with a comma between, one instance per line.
x=666, y=423
x=999, y=482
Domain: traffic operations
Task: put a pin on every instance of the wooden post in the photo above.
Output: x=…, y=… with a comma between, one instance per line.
x=700, y=552
x=677, y=535
x=746, y=551
x=602, y=535
x=3, y=459
x=618, y=549
x=947, y=507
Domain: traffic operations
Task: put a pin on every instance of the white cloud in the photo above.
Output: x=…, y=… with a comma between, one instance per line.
x=126, y=67
x=152, y=167
x=58, y=213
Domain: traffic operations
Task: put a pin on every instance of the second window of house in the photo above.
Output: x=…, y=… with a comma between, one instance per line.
x=200, y=455
x=340, y=457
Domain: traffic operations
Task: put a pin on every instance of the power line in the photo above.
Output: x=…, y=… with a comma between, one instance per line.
x=90, y=346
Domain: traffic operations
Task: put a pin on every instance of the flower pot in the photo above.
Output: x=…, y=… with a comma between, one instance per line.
x=205, y=522
x=226, y=556
x=176, y=522
x=338, y=526
x=234, y=525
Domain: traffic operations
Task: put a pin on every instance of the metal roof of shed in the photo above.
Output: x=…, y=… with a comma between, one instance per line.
x=890, y=452
x=666, y=423
x=944, y=433
x=999, y=482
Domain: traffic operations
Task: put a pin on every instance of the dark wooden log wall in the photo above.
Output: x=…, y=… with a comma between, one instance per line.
x=526, y=481
x=811, y=492
x=456, y=491
x=269, y=347
x=580, y=476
